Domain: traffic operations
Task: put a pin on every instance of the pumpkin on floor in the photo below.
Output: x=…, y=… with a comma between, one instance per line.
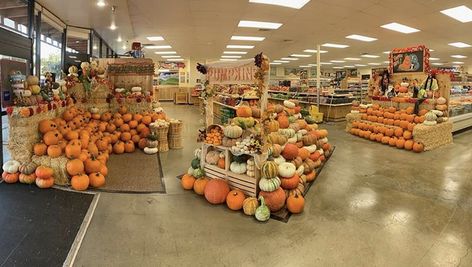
x=75, y=167
x=275, y=200
x=44, y=183
x=235, y=199
x=187, y=182
x=96, y=179
x=199, y=185
x=10, y=178
x=216, y=191
x=80, y=182
x=295, y=203
x=27, y=178
x=250, y=205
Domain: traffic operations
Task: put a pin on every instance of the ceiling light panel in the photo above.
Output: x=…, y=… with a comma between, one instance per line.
x=370, y=56
x=281, y=61
x=460, y=44
x=275, y=63
x=247, y=38
x=399, y=28
x=240, y=46
x=155, y=38
x=228, y=59
x=361, y=38
x=289, y=58
x=386, y=52
x=349, y=66
x=297, y=4
x=352, y=58
x=175, y=59
x=433, y=59
x=360, y=65
x=158, y=47
x=437, y=64
x=338, y=67
x=460, y=13
x=337, y=61
x=165, y=52
x=235, y=52
x=170, y=56
x=335, y=45
x=300, y=55
x=259, y=24
x=230, y=56
x=458, y=56
x=314, y=51
x=375, y=64
x=458, y=62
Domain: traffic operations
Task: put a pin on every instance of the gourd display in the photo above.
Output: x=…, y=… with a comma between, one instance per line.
x=286, y=169
x=235, y=199
x=238, y=167
x=290, y=151
x=10, y=178
x=216, y=191
x=269, y=169
x=290, y=183
x=269, y=184
x=212, y=157
x=44, y=183
x=250, y=205
x=295, y=203
x=275, y=200
x=244, y=111
x=97, y=179
x=27, y=178
x=80, y=182
x=233, y=131
x=262, y=212
x=11, y=166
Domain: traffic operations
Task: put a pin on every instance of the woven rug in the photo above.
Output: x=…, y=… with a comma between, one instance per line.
x=134, y=173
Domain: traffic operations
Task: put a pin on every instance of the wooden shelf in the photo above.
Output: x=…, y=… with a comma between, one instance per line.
x=224, y=105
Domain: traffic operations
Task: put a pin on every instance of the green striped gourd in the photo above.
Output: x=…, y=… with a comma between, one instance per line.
x=269, y=169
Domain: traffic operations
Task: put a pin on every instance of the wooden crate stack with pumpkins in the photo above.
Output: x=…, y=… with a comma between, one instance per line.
x=281, y=154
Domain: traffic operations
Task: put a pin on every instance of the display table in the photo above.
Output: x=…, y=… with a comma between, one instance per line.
x=335, y=112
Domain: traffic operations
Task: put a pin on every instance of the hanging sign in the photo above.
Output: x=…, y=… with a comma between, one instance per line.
x=411, y=59
x=241, y=72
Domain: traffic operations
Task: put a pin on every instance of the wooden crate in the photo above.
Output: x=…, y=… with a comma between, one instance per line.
x=180, y=98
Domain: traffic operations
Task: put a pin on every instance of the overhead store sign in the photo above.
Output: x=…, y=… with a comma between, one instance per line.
x=238, y=72
x=409, y=60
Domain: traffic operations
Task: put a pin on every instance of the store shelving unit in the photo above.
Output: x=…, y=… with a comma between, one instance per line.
x=460, y=105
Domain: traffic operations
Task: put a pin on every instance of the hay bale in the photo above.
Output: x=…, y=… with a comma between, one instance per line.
x=132, y=105
x=350, y=117
x=98, y=94
x=386, y=104
x=24, y=134
x=433, y=136
x=77, y=92
x=57, y=164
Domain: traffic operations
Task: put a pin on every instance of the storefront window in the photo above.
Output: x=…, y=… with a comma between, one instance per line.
x=14, y=16
x=77, y=49
x=95, y=46
x=50, y=52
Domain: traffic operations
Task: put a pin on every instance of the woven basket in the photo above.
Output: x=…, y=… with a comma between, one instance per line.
x=175, y=141
x=162, y=133
x=175, y=128
x=163, y=146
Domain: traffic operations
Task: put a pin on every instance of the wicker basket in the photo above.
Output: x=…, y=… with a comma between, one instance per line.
x=163, y=146
x=162, y=133
x=175, y=128
x=175, y=141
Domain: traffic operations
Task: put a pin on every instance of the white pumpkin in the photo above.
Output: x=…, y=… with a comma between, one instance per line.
x=11, y=166
x=438, y=113
x=136, y=89
x=311, y=148
x=190, y=170
x=279, y=160
x=197, y=153
x=151, y=150
x=269, y=185
x=239, y=168
x=289, y=104
x=303, y=132
x=94, y=110
x=300, y=170
x=292, y=140
x=119, y=90
x=287, y=169
x=250, y=173
x=441, y=101
x=298, y=116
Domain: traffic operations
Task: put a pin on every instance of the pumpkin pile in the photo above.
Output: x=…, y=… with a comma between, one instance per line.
x=390, y=126
x=87, y=139
x=27, y=173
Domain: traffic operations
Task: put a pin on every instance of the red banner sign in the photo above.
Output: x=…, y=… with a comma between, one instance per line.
x=243, y=74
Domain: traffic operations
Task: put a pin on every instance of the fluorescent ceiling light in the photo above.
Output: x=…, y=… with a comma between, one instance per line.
x=235, y=52
x=119, y=39
x=289, y=58
x=386, y=52
x=460, y=44
x=297, y=4
x=460, y=13
x=434, y=59
x=228, y=59
x=113, y=26
x=360, y=65
x=386, y=62
x=247, y=38
x=300, y=55
x=312, y=65
x=230, y=56
x=399, y=28
x=175, y=59
x=304, y=66
x=352, y=58
x=314, y=51
x=158, y=47
x=155, y=38
x=101, y=3
x=124, y=47
x=437, y=64
x=281, y=61
x=338, y=67
x=349, y=66
x=165, y=52
x=326, y=63
x=370, y=56
x=170, y=56
x=240, y=46
x=337, y=61
x=458, y=62
x=458, y=56
x=335, y=45
x=275, y=63
x=375, y=64
x=431, y=50
x=78, y=61
x=259, y=24
x=361, y=38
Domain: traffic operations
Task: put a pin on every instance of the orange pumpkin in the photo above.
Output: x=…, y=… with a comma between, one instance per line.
x=137, y=117
x=80, y=182
x=290, y=183
x=129, y=146
x=40, y=149
x=234, y=199
x=96, y=179
x=290, y=151
x=10, y=178
x=295, y=203
x=127, y=117
x=73, y=150
x=418, y=147
x=283, y=122
x=118, y=122
x=310, y=176
x=43, y=172
x=400, y=143
x=187, y=182
x=126, y=136
x=146, y=120
x=407, y=135
x=51, y=138
x=102, y=144
x=142, y=143
x=92, y=165
x=93, y=149
x=47, y=126
x=221, y=163
x=199, y=185
x=133, y=124
x=75, y=167
x=398, y=132
x=125, y=128
x=274, y=200
x=408, y=144
x=122, y=110
x=44, y=183
x=68, y=115
x=119, y=147
x=216, y=191
x=54, y=151
x=104, y=170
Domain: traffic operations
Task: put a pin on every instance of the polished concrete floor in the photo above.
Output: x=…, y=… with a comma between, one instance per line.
x=371, y=206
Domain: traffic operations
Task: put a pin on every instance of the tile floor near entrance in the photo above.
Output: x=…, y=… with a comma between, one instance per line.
x=371, y=206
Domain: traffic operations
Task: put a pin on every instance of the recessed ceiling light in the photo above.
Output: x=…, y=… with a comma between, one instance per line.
x=434, y=59
x=314, y=51
x=399, y=28
x=230, y=56
x=247, y=38
x=360, y=65
x=375, y=64
x=163, y=70
x=338, y=67
x=458, y=62
x=259, y=24
x=119, y=39
x=175, y=59
x=460, y=44
x=335, y=45
x=386, y=62
x=158, y=47
x=165, y=52
x=352, y=58
x=304, y=66
x=431, y=50
x=281, y=61
x=437, y=64
x=312, y=65
x=228, y=59
x=240, y=46
x=361, y=38
x=101, y=3
x=113, y=26
x=275, y=63
x=297, y=4
x=386, y=52
x=289, y=58
x=235, y=52
x=326, y=63
x=155, y=38
x=300, y=55
x=170, y=56
x=460, y=13
x=349, y=66
x=337, y=61
x=124, y=47
x=370, y=56
x=458, y=56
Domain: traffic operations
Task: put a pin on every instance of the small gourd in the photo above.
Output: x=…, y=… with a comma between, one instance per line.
x=11, y=166
x=239, y=168
x=250, y=205
x=262, y=213
x=233, y=131
x=269, y=184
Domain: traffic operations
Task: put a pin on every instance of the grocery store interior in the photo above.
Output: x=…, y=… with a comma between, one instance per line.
x=215, y=133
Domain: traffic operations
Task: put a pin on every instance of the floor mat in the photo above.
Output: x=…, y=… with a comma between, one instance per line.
x=38, y=226
x=134, y=173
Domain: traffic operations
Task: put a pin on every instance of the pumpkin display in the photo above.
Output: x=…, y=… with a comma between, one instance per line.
x=295, y=203
x=80, y=182
x=221, y=163
x=199, y=185
x=283, y=121
x=290, y=183
x=212, y=157
x=250, y=205
x=286, y=169
x=290, y=151
x=27, y=167
x=244, y=111
x=27, y=178
x=45, y=126
x=269, y=184
x=187, y=181
x=75, y=167
x=262, y=212
x=303, y=153
x=97, y=179
x=235, y=199
x=10, y=178
x=275, y=200
x=44, y=183
x=40, y=149
x=119, y=147
x=92, y=165
x=233, y=131
x=238, y=167
x=276, y=149
x=216, y=191
x=418, y=147
x=269, y=169
x=129, y=146
x=311, y=176
x=43, y=172
x=272, y=126
x=51, y=138
x=276, y=138
x=308, y=140
x=11, y=166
